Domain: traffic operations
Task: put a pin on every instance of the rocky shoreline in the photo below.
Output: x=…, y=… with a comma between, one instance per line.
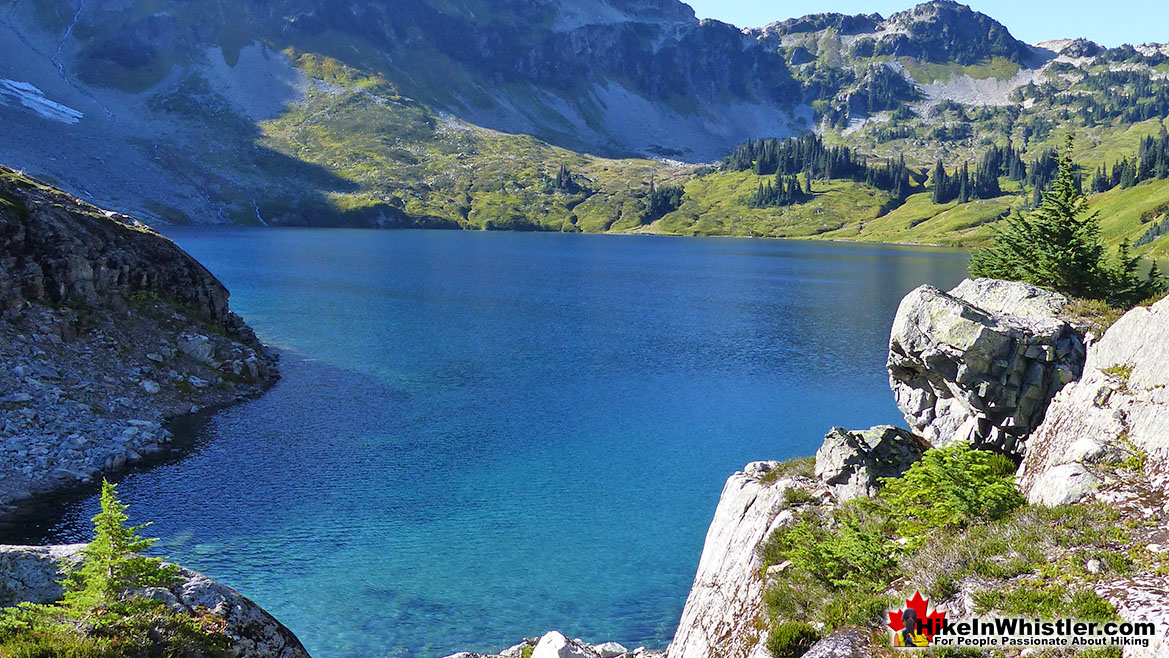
x=107, y=331
x=1086, y=419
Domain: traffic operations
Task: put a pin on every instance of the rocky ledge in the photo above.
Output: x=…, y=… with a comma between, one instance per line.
x=107, y=330
x=31, y=574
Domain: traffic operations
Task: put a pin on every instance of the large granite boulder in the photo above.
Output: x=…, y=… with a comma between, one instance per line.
x=850, y=462
x=1119, y=409
x=845, y=643
x=722, y=612
x=31, y=573
x=981, y=362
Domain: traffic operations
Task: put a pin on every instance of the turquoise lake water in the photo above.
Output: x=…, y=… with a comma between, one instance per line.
x=484, y=436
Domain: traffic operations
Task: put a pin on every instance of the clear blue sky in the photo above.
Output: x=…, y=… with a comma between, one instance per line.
x=1111, y=22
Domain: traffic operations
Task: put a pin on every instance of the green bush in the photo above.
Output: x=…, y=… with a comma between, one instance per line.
x=791, y=639
x=796, y=496
x=950, y=488
x=852, y=553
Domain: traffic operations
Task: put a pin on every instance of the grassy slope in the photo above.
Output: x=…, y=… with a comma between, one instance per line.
x=381, y=154
x=1121, y=210
x=714, y=206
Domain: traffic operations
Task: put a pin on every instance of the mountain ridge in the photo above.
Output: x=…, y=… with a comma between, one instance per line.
x=303, y=112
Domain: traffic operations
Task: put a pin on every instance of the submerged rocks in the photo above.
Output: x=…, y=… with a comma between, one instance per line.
x=850, y=462
x=31, y=573
x=1118, y=411
x=980, y=363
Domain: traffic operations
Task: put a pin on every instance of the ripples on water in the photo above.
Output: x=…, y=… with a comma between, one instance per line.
x=481, y=437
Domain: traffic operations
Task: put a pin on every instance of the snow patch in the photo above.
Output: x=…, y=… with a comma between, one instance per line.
x=13, y=92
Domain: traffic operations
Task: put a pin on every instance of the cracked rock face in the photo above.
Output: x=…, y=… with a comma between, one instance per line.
x=30, y=573
x=981, y=362
x=1118, y=410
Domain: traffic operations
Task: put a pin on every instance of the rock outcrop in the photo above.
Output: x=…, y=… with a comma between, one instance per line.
x=59, y=250
x=1119, y=410
x=725, y=607
x=845, y=643
x=30, y=573
x=981, y=362
x=851, y=462
x=555, y=644
x=107, y=330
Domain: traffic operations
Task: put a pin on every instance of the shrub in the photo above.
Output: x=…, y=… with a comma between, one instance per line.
x=853, y=553
x=796, y=496
x=949, y=488
x=791, y=639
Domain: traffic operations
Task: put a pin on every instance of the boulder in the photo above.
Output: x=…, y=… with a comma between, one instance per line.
x=980, y=363
x=1120, y=408
x=197, y=347
x=610, y=650
x=555, y=645
x=845, y=643
x=1062, y=485
x=850, y=462
x=31, y=573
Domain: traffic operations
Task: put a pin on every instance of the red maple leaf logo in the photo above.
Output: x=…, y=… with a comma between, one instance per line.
x=931, y=622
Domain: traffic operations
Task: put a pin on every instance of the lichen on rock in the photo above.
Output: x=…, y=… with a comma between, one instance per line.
x=980, y=363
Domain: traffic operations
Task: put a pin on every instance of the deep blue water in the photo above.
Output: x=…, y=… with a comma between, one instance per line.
x=483, y=436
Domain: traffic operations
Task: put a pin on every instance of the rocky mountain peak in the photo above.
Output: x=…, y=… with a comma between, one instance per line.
x=947, y=31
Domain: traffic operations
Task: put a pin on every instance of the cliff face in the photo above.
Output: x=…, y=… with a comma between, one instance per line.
x=724, y=613
x=1119, y=408
x=31, y=574
x=107, y=330
x=58, y=250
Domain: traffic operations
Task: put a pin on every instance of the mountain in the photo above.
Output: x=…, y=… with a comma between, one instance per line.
x=537, y=114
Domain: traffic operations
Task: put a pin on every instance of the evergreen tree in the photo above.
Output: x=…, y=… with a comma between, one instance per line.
x=566, y=181
x=1058, y=246
x=112, y=563
x=941, y=184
